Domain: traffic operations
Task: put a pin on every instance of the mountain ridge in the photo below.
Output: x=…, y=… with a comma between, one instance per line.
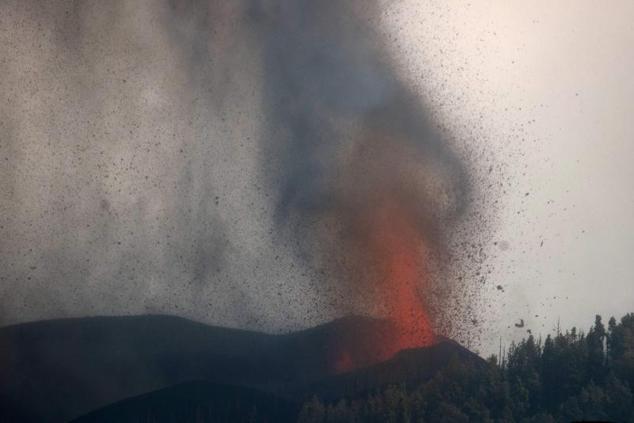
x=64, y=368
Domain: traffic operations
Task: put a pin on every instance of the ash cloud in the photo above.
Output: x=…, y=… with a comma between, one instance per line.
x=128, y=162
x=204, y=158
x=346, y=133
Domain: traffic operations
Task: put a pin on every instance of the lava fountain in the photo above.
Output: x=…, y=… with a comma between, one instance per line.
x=399, y=253
x=399, y=279
x=387, y=208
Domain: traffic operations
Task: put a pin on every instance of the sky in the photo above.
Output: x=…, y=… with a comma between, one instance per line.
x=549, y=87
x=113, y=200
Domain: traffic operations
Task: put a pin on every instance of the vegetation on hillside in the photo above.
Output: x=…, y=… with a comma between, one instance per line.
x=567, y=377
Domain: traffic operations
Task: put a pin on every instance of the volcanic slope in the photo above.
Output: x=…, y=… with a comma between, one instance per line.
x=57, y=370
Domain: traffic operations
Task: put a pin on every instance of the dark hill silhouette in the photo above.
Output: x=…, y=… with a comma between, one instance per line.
x=409, y=367
x=60, y=369
x=197, y=401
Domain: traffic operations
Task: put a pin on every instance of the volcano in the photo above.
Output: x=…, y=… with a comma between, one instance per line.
x=57, y=370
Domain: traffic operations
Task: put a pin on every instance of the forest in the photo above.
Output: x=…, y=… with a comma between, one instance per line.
x=571, y=376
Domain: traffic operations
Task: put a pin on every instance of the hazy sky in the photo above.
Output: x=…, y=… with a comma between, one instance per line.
x=549, y=86
x=113, y=200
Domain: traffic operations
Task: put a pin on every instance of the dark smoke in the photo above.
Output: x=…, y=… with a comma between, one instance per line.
x=218, y=160
x=344, y=130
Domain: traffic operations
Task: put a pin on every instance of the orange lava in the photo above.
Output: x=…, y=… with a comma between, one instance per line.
x=399, y=251
x=394, y=245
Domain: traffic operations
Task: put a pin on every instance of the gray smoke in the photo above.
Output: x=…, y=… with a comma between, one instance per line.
x=201, y=157
x=346, y=136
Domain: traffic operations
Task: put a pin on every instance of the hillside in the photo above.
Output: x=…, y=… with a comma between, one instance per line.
x=61, y=369
x=197, y=401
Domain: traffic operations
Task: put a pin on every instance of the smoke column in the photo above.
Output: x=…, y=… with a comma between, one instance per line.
x=253, y=163
x=367, y=187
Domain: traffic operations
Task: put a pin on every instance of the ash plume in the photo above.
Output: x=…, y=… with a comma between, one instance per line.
x=255, y=163
x=352, y=152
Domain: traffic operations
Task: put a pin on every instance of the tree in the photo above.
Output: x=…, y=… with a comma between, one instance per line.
x=312, y=412
x=572, y=376
x=596, y=351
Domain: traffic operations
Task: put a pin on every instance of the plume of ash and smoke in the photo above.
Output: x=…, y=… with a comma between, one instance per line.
x=251, y=163
x=368, y=186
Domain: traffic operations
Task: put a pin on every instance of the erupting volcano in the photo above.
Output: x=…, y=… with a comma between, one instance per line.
x=394, y=245
x=399, y=253
x=386, y=211
x=369, y=188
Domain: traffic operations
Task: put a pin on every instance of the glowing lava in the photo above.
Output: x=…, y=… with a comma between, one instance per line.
x=397, y=257
x=387, y=204
x=399, y=252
